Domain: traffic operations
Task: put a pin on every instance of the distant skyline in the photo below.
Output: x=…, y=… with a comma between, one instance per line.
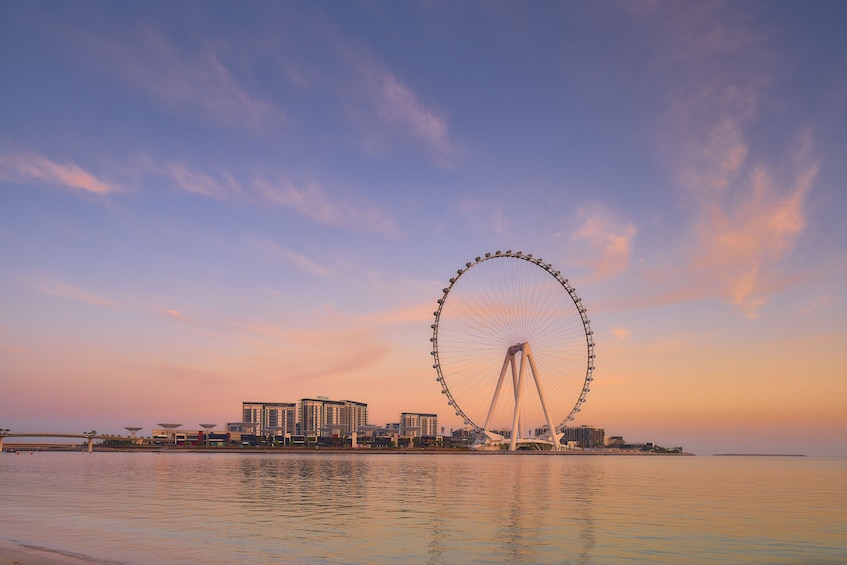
x=206, y=203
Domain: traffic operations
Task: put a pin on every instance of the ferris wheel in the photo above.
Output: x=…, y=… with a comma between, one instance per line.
x=513, y=348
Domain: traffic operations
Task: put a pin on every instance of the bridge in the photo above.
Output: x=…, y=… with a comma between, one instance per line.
x=87, y=436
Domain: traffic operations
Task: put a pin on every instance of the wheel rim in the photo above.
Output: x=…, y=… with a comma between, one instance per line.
x=496, y=302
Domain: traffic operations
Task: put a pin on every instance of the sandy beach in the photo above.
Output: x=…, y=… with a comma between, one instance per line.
x=13, y=554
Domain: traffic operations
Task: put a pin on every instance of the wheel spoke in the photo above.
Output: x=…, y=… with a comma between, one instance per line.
x=511, y=304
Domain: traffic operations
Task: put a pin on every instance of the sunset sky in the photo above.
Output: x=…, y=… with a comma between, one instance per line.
x=209, y=203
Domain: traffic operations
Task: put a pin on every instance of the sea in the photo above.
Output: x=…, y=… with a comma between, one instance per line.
x=321, y=508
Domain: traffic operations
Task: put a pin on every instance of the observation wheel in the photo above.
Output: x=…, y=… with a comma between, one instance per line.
x=513, y=348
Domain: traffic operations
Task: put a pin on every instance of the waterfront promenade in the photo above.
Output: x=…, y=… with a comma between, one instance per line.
x=25, y=447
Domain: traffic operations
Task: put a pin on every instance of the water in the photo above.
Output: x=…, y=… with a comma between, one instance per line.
x=196, y=508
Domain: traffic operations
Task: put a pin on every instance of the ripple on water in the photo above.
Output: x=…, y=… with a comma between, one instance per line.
x=366, y=508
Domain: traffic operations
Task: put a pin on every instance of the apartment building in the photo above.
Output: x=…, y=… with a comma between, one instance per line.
x=584, y=436
x=414, y=424
x=269, y=418
x=324, y=417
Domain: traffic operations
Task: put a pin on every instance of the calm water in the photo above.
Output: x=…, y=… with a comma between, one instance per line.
x=360, y=508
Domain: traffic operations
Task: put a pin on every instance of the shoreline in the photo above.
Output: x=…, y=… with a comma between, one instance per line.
x=12, y=553
x=339, y=450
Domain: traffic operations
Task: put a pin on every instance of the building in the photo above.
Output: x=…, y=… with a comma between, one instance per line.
x=584, y=436
x=281, y=418
x=322, y=417
x=413, y=424
x=269, y=418
x=355, y=415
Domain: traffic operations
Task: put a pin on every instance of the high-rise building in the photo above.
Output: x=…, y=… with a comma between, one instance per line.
x=414, y=424
x=269, y=418
x=355, y=415
x=584, y=436
x=311, y=418
x=324, y=417
x=251, y=412
x=281, y=417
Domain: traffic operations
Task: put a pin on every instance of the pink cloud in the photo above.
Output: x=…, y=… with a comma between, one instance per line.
x=607, y=241
x=290, y=256
x=33, y=168
x=202, y=183
x=329, y=351
x=621, y=333
x=741, y=234
x=398, y=105
x=818, y=303
x=387, y=108
x=197, y=80
x=747, y=208
x=61, y=289
x=310, y=200
x=747, y=215
x=420, y=313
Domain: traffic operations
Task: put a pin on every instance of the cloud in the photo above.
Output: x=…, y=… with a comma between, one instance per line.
x=621, y=333
x=34, y=168
x=486, y=215
x=192, y=78
x=742, y=233
x=607, y=240
x=386, y=108
x=748, y=214
x=61, y=289
x=397, y=105
x=289, y=256
x=745, y=200
x=818, y=303
x=331, y=351
x=310, y=200
x=202, y=183
x=420, y=313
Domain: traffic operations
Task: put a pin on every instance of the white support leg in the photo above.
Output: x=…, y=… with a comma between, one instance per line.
x=499, y=385
x=516, y=418
x=553, y=435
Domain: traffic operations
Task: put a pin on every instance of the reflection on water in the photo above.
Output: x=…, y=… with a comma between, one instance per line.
x=437, y=509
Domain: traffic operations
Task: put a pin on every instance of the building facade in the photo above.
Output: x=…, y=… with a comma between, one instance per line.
x=355, y=415
x=326, y=418
x=269, y=418
x=414, y=424
x=584, y=436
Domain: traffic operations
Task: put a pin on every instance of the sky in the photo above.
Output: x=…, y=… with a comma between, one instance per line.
x=208, y=203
